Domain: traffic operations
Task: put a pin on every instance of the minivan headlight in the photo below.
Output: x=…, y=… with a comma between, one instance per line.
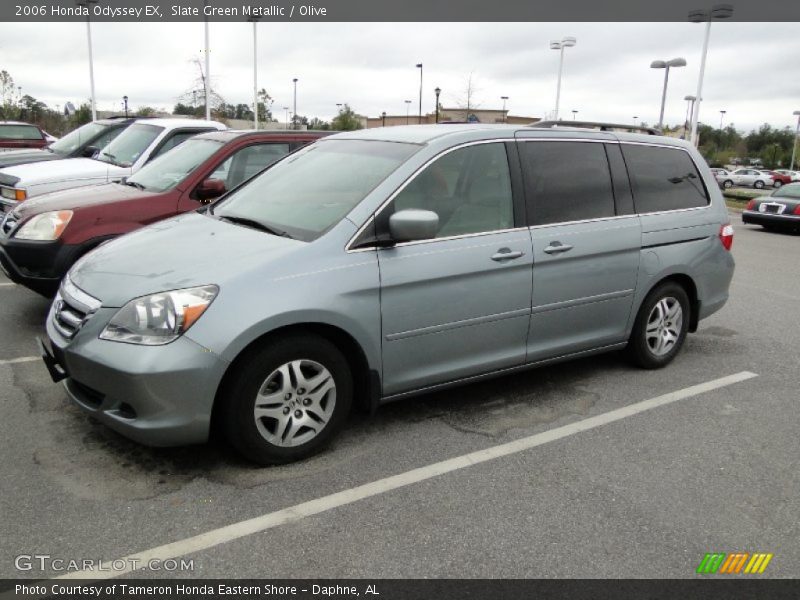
x=159, y=318
x=45, y=227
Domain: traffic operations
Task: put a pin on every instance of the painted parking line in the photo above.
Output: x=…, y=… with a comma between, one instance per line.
x=291, y=514
x=22, y=359
x=7, y=283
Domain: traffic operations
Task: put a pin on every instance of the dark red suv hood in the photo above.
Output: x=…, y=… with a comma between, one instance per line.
x=77, y=198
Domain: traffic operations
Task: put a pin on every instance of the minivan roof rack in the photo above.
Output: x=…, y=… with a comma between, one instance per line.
x=597, y=125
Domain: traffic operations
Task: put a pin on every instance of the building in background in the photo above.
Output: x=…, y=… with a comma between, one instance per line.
x=451, y=115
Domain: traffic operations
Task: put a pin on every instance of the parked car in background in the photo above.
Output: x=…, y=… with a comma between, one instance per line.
x=43, y=237
x=125, y=155
x=779, y=210
x=778, y=179
x=15, y=135
x=748, y=178
x=382, y=263
x=795, y=175
x=84, y=141
x=721, y=175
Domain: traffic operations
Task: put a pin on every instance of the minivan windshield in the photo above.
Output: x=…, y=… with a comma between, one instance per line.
x=788, y=191
x=77, y=138
x=169, y=169
x=308, y=192
x=128, y=146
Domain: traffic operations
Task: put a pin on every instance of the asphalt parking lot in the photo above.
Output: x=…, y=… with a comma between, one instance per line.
x=644, y=495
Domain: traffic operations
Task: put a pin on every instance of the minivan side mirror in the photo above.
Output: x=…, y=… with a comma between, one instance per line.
x=210, y=189
x=90, y=151
x=413, y=224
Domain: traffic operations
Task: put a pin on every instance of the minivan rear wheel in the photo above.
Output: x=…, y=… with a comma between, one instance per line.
x=661, y=326
x=287, y=399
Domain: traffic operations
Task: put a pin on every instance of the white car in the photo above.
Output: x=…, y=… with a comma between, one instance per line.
x=124, y=156
x=795, y=175
x=747, y=177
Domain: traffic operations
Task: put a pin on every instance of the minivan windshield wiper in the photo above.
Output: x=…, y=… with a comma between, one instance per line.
x=135, y=184
x=113, y=159
x=255, y=225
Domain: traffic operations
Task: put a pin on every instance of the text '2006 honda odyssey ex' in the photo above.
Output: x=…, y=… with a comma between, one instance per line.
x=374, y=265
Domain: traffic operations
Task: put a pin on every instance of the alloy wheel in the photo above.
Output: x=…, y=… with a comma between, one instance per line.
x=664, y=326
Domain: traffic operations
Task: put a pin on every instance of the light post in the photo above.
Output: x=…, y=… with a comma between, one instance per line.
x=564, y=43
x=286, y=108
x=689, y=107
x=86, y=3
x=504, y=98
x=254, y=20
x=437, y=91
x=207, y=81
x=796, y=133
x=125, y=100
x=721, y=116
x=294, y=110
x=419, y=119
x=634, y=120
x=718, y=12
x=408, y=106
x=666, y=65
x=383, y=119
x=574, y=114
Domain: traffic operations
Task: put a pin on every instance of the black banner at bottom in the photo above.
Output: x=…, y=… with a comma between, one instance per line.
x=733, y=588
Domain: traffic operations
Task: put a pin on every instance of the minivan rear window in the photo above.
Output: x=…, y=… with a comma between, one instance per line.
x=663, y=179
x=566, y=181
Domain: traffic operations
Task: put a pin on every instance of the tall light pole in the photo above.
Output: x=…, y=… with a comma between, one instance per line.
x=254, y=20
x=125, y=100
x=419, y=119
x=286, y=108
x=796, y=133
x=718, y=12
x=666, y=65
x=504, y=99
x=294, y=110
x=574, y=114
x=437, y=91
x=207, y=81
x=634, y=120
x=91, y=58
x=721, y=116
x=689, y=106
x=564, y=43
x=383, y=119
x=408, y=106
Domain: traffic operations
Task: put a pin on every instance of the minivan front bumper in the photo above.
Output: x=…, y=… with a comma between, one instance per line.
x=154, y=395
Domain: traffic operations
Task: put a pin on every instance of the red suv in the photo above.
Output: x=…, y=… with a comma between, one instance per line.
x=43, y=237
x=14, y=135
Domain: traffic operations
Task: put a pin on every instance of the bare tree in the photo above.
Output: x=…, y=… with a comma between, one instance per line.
x=197, y=92
x=466, y=101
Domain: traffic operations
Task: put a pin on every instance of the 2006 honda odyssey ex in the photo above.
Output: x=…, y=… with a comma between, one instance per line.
x=378, y=264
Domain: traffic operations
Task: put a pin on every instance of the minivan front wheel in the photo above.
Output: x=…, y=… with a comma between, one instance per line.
x=287, y=399
x=661, y=326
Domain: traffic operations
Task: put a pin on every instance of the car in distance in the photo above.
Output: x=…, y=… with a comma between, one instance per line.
x=795, y=175
x=749, y=178
x=84, y=141
x=42, y=237
x=122, y=157
x=15, y=135
x=779, y=179
x=721, y=175
x=779, y=210
x=378, y=264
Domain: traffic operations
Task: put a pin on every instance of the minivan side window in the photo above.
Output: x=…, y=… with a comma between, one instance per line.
x=663, y=179
x=566, y=181
x=469, y=188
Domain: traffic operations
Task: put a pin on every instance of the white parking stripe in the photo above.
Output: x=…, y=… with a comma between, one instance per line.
x=23, y=359
x=228, y=533
x=7, y=283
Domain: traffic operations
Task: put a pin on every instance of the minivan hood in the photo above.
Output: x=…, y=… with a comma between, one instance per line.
x=77, y=198
x=21, y=157
x=185, y=251
x=65, y=169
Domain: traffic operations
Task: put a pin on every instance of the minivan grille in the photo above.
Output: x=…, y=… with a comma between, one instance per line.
x=72, y=307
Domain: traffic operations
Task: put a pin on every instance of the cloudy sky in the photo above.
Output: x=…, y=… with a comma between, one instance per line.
x=371, y=66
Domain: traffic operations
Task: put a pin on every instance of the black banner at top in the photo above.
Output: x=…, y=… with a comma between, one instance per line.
x=389, y=10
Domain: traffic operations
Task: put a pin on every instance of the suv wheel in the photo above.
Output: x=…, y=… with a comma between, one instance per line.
x=287, y=399
x=661, y=326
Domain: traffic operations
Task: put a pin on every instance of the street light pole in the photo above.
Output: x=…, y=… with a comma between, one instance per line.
x=419, y=66
x=208, y=70
x=255, y=72
x=91, y=58
x=294, y=110
x=721, y=116
x=662, y=64
x=383, y=119
x=408, y=106
x=574, y=114
x=796, y=133
x=286, y=108
x=125, y=100
x=437, y=91
x=717, y=12
x=504, y=98
x=564, y=43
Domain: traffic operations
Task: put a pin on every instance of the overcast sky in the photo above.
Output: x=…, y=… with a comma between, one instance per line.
x=371, y=66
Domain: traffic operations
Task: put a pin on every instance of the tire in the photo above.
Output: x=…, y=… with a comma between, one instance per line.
x=644, y=348
x=759, y=185
x=268, y=380
x=777, y=184
x=727, y=184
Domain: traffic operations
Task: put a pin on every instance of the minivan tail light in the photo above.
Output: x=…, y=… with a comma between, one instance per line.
x=726, y=236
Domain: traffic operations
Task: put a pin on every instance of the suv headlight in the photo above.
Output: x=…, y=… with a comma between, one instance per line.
x=45, y=227
x=159, y=318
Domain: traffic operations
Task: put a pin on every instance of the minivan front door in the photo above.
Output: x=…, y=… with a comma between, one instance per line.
x=457, y=305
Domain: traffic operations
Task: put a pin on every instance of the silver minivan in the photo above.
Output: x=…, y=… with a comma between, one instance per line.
x=378, y=264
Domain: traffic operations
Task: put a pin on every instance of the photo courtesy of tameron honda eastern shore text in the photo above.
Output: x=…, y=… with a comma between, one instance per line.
x=373, y=265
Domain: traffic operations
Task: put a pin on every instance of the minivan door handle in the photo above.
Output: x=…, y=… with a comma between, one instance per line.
x=557, y=247
x=507, y=254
